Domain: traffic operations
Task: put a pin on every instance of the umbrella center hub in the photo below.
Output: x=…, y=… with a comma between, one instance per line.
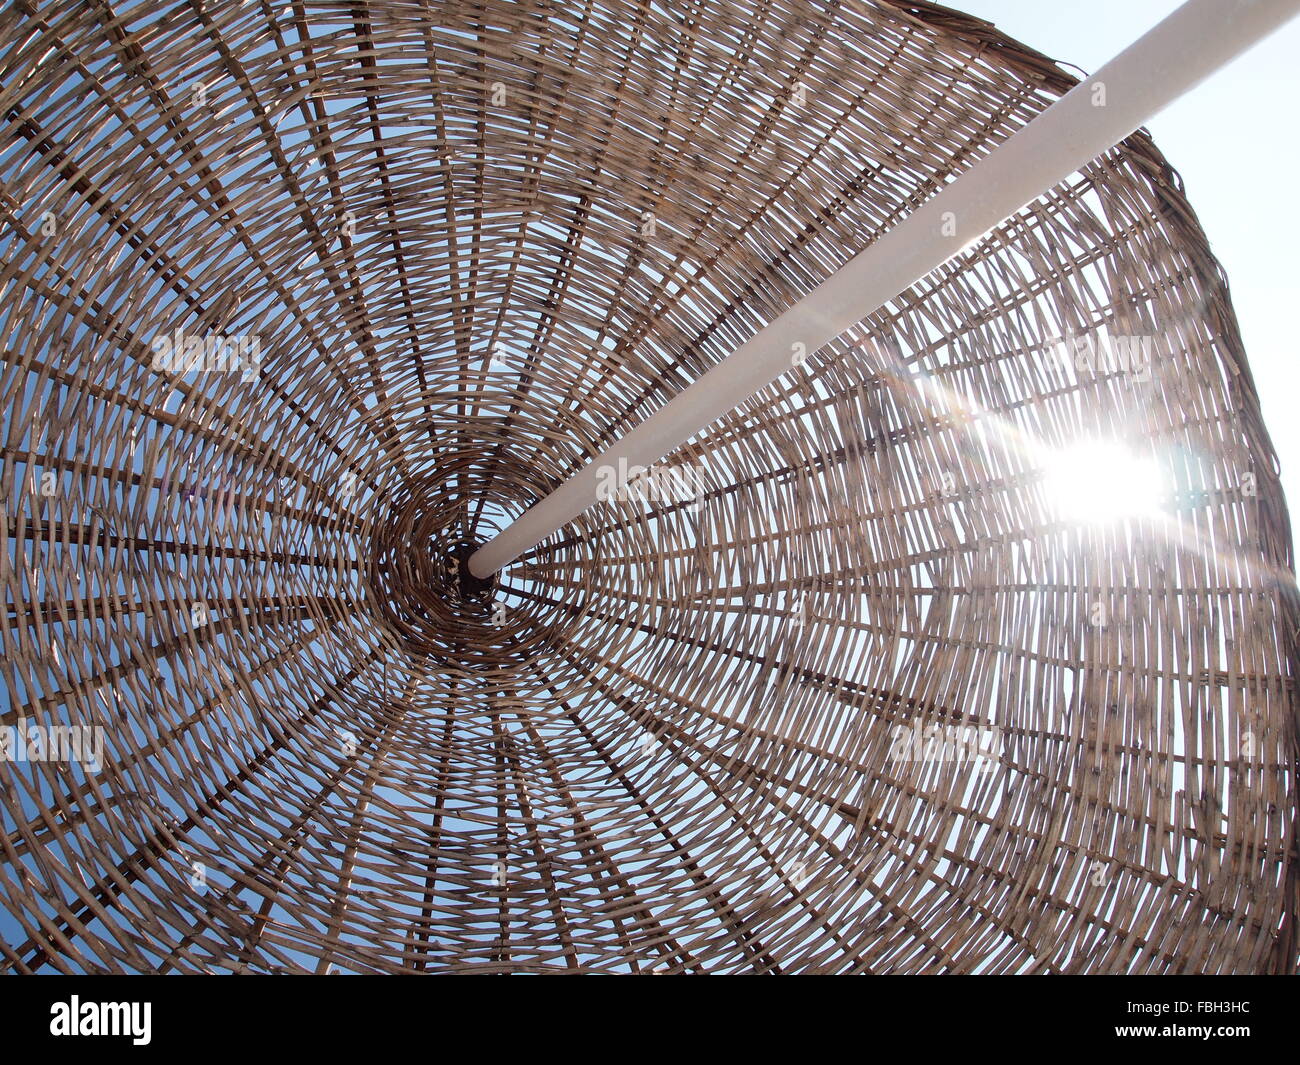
x=463, y=583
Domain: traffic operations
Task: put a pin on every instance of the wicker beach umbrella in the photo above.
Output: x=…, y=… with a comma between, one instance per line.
x=966, y=646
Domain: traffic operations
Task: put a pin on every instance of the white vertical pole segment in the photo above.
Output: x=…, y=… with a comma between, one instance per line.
x=1099, y=112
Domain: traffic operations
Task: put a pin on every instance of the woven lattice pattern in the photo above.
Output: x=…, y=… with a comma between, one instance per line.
x=874, y=697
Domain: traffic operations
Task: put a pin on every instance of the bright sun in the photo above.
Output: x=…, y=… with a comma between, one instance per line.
x=1101, y=480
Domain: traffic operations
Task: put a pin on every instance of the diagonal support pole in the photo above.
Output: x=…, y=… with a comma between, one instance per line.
x=1099, y=112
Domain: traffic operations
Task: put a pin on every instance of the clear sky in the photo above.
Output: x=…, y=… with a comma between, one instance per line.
x=1234, y=141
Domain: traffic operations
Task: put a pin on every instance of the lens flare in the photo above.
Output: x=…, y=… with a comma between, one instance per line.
x=1100, y=481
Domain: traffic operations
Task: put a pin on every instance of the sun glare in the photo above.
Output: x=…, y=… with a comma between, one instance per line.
x=1101, y=481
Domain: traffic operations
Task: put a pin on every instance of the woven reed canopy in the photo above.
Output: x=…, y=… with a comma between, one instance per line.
x=885, y=692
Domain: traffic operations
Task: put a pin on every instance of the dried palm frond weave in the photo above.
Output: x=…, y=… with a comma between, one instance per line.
x=868, y=695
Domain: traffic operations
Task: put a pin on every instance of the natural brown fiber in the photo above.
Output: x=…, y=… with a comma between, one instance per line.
x=876, y=701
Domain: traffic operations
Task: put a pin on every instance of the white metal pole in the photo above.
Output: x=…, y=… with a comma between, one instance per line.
x=1099, y=112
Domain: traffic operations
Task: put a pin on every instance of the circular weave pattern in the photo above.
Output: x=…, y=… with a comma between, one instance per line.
x=866, y=685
